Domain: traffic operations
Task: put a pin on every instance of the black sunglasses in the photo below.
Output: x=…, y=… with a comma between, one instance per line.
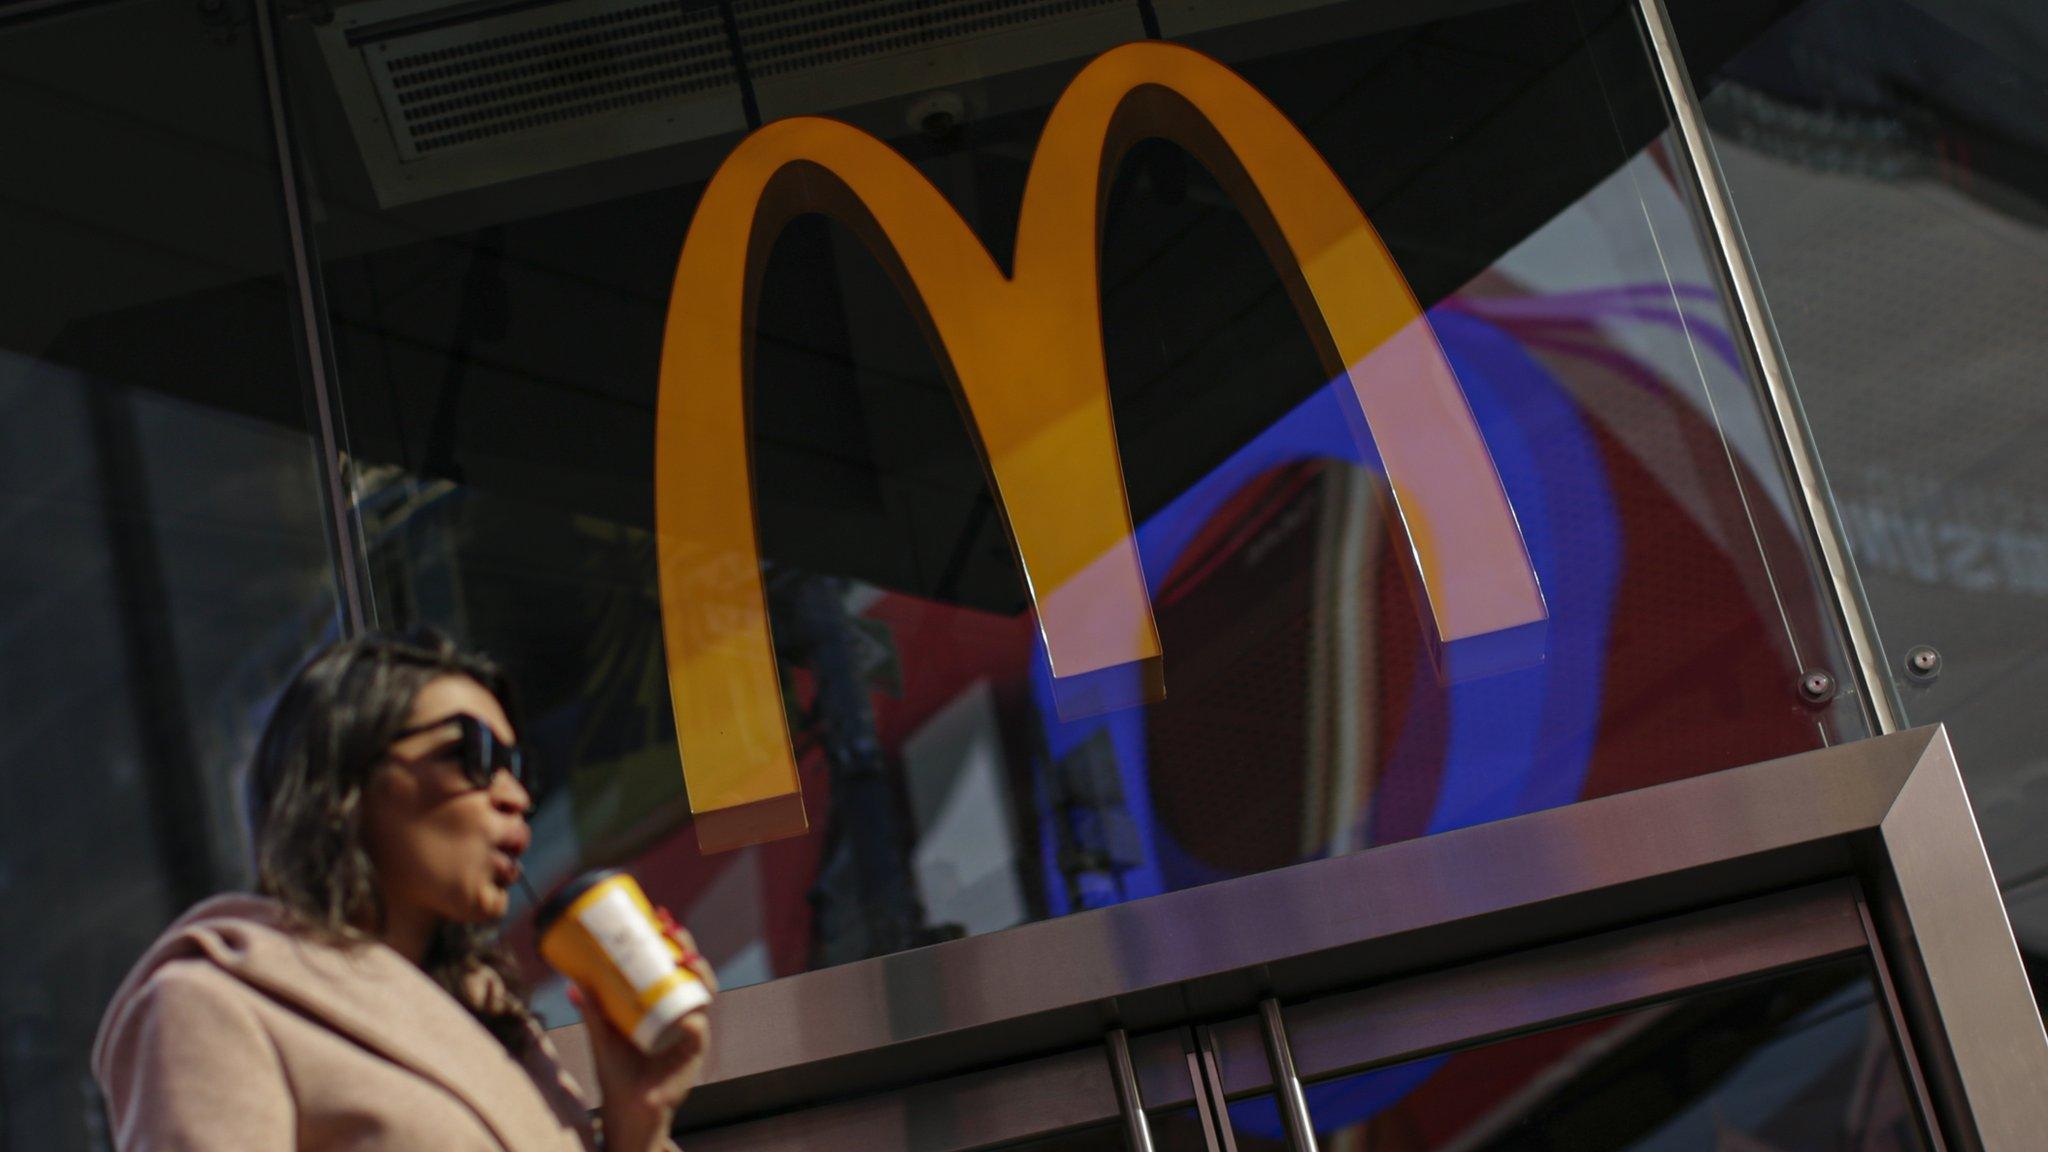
x=483, y=754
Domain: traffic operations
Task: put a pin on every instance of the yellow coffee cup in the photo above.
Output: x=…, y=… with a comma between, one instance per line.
x=600, y=931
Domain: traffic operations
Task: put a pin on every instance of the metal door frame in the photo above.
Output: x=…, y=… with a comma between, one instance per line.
x=1887, y=816
x=1487, y=1000
x=1497, y=999
x=1202, y=1067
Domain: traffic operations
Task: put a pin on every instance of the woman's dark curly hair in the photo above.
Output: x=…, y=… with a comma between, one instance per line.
x=330, y=727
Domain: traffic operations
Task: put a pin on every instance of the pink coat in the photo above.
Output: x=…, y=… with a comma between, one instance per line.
x=235, y=1033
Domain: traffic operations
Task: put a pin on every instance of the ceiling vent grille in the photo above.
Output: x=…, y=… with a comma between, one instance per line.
x=600, y=61
x=784, y=36
x=445, y=96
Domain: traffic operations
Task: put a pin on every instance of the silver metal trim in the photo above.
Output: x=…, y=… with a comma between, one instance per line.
x=986, y=1109
x=1163, y=1070
x=1414, y=1016
x=1293, y=1106
x=1215, y=1131
x=1889, y=808
x=1937, y=907
x=1910, y=1072
x=1575, y=980
x=343, y=530
x=1137, y=1132
x=1738, y=270
x=1210, y=1099
x=1345, y=1033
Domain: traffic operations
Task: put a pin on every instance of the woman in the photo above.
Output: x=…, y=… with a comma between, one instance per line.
x=356, y=1001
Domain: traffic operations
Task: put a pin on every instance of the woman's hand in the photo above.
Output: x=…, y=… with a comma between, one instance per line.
x=642, y=1092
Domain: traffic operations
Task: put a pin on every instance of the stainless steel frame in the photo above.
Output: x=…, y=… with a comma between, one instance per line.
x=1708, y=189
x=1613, y=972
x=1199, y=1068
x=953, y=1114
x=1887, y=813
x=1201, y=1053
x=1411, y=1017
x=348, y=551
x=1959, y=980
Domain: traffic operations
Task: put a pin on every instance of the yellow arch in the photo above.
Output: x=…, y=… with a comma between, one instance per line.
x=1025, y=353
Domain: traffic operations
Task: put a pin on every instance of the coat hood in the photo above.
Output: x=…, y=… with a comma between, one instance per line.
x=366, y=992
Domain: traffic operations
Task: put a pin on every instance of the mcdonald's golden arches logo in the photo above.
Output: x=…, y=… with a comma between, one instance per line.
x=1024, y=352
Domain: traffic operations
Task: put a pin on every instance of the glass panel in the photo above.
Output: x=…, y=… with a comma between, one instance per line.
x=1889, y=161
x=1799, y=1063
x=1331, y=508
x=164, y=562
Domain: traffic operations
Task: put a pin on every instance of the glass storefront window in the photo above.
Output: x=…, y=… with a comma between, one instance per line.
x=933, y=471
x=165, y=562
x=1345, y=660
x=1890, y=167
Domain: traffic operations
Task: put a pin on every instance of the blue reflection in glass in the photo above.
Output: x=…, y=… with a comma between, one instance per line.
x=1520, y=740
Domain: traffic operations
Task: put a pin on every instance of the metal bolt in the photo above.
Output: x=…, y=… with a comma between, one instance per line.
x=1923, y=662
x=1817, y=687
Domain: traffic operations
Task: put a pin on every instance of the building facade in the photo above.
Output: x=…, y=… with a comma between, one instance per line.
x=1375, y=575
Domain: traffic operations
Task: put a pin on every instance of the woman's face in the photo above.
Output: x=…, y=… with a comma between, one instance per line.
x=442, y=846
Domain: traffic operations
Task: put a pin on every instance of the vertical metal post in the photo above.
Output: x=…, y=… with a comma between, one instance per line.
x=1205, y=1079
x=1949, y=952
x=1137, y=1133
x=1732, y=258
x=1301, y=1134
x=1895, y=1026
x=344, y=533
